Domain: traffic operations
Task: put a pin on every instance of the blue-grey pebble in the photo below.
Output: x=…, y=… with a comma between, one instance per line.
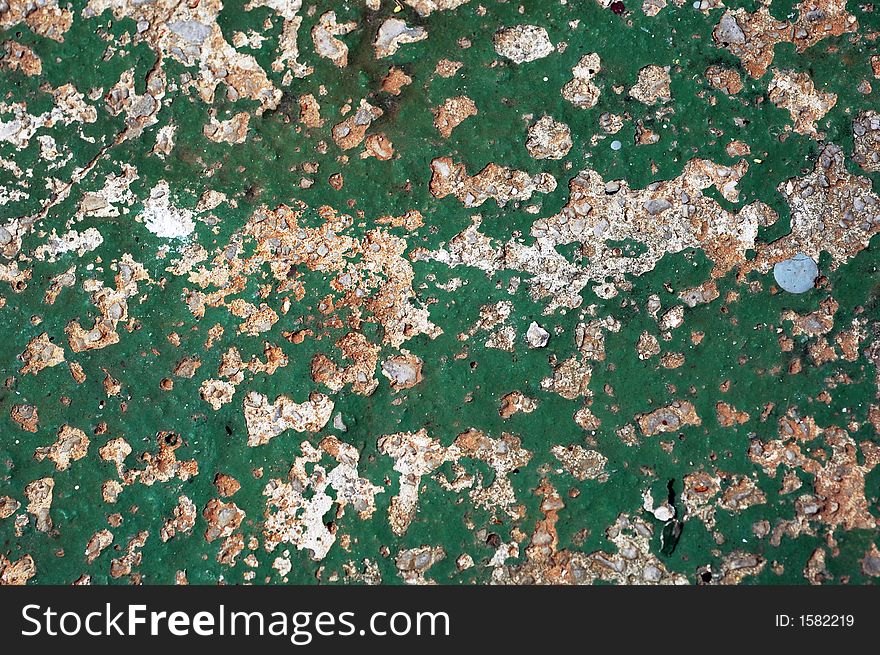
x=796, y=275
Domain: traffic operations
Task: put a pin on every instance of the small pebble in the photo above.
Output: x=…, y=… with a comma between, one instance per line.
x=536, y=336
x=796, y=275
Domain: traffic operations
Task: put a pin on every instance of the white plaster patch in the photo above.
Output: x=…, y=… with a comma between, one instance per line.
x=164, y=219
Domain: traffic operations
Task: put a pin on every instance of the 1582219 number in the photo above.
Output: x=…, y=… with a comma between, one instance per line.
x=827, y=620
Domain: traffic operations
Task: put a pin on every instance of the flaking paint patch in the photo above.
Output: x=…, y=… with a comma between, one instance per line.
x=163, y=218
